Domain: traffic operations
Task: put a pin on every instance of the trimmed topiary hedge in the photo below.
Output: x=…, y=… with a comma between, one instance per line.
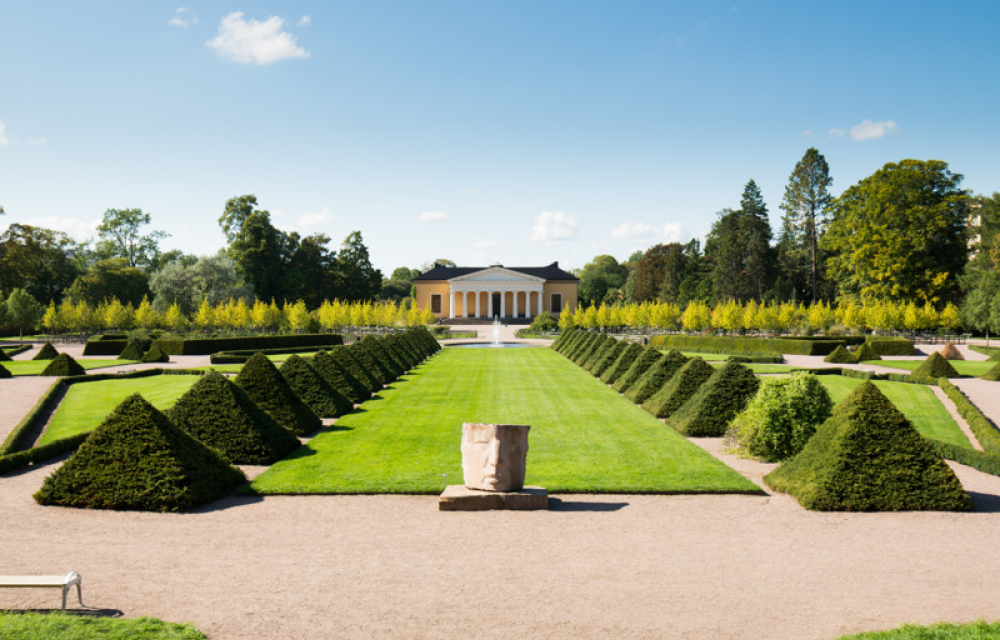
x=376, y=346
x=206, y=346
x=132, y=351
x=3, y=355
x=710, y=410
x=993, y=374
x=571, y=338
x=724, y=344
x=582, y=345
x=622, y=364
x=64, y=365
x=984, y=430
x=609, y=358
x=868, y=457
x=21, y=459
x=155, y=354
x=268, y=388
x=935, y=366
x=588, y=348
x=951, y=352
x=47, y=352
x=649, y=357
x=340, y=378
x=242, y=355
x=220, y=414
x=315, y=391
x=840, y=355
x=978, y=460
x=343, y=356
x=372, y=362
x=138, y=460
x=679, y=388
x=891, y=346
x=597, y=354
x=780, y=419
x=656, y=376
x=866, y=352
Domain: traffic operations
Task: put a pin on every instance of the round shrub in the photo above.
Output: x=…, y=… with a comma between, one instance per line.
x=780, y=419
x=544, y=321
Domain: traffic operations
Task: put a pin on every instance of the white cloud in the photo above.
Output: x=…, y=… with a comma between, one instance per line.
x=806, y=132
x=553, y=226
x=184, y=18
x=433, y=216
x=468, y=192
x=305, y=21
x=255, y=42
x=837, y=133
x=37, y=141
x=642, y=232
x=316, y=219
x=486, y=244
x=78, y=229
x=4, y=141
x=869, y=130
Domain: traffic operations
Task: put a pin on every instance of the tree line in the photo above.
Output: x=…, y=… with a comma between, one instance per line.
x=904, y=234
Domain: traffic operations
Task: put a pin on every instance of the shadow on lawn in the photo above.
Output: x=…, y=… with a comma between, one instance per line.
x=558, y=504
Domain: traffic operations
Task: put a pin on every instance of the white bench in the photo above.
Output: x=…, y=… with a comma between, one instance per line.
x=62, y=582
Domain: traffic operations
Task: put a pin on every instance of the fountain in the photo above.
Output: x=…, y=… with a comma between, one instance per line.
x=496, y=333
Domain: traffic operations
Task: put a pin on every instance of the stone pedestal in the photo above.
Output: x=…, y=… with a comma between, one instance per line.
x=459, y=498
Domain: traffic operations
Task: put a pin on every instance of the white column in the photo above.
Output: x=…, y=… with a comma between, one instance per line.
x=515, y=303
x=451, y=301
x=503, y=304
x=479, y=294
x=527, y=303
x=489, y=303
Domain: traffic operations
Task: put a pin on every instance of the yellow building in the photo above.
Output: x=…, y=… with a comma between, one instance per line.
x=496, y=291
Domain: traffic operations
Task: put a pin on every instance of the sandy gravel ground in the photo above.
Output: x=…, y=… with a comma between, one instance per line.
x=601, y=567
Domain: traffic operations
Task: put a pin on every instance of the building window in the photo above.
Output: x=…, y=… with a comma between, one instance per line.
x=436, y=303
x=556, y=305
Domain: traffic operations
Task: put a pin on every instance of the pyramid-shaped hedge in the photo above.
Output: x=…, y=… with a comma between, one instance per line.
x=371, y=361
x=560, y=340
x=376, y=346
x=679, y=388
x=63, y=365
x=132, y=351
x=346, y=359
x=993, y=374
x=340, y=378
x=155, y=354
x=137, y=459
x=220, y=414
x=267, y=387
x=868, y=457
x=646, y=359
x=568, y=339
x=5, y=372
x=866, y=352
x=935, y=366
x=582, y=346
x=622, y=364
x=315, y=391
x=656, y=376
x=840, y=355
x=598, y=352
x=710, y=410
x=47, y=352
x=588, y=348
x=951, y=352
x=423, y=336
x=608, y=358
x=397, y=350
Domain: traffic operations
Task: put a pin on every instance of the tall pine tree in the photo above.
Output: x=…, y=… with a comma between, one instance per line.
x=806, y=203
x=755, y=232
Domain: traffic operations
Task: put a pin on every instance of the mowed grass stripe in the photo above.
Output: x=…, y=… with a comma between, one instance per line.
x=585, y=437
x=87, y=404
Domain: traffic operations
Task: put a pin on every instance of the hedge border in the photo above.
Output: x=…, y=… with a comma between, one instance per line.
x=984, y=430
x=13, y=351
x=739, y=345
x=978, y=460
x=207, y=346
x=239, y=356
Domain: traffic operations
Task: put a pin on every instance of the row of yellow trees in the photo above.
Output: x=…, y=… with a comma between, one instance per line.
x=773, y=317
x=235, y=315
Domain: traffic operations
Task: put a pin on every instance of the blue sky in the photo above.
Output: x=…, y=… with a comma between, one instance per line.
x=518, y=132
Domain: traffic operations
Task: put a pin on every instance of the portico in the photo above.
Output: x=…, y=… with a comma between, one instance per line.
x=495, y=291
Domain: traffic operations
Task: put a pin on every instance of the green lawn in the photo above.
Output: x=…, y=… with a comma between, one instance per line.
x=964, y=367
x=87, y=403
x=31, y=626
x=943, y=631
x=916, y=401
x=35, y=367
x=584, y=436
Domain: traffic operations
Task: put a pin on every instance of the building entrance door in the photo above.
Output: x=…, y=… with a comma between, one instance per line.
x=496, y=305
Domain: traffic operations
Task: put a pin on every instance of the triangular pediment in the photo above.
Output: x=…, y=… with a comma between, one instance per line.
x=497, y=274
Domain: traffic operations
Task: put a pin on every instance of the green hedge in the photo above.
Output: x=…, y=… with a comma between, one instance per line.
x=239, y=356
x=267, y=387
x=21, y=459
x=649, y=357
x=206, y=346
x=314, y=390
x=111, y=344
x=982, y=427
x=13, y=351
x=713, y=406
x=992, y=352
x=622, y=364
x=681, y=386
x=766, y=358
x=978, y=460
x=47, y=352
x=891, y=346
x=728, y=344
x=63, y=365
x=656, y=376
x=609, y=358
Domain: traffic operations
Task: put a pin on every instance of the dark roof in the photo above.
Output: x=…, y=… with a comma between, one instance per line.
x=550, y=272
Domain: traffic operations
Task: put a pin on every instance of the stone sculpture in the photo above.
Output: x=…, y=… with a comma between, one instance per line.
x=494, y=455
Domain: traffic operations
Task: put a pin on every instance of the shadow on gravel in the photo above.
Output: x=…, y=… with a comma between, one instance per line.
x=985, y=502
x=556, y=504
x=83, y=612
